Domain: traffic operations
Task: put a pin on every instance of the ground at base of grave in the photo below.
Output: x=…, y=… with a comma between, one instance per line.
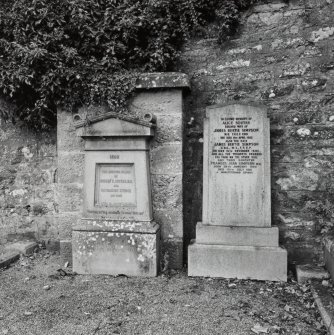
x=36, y=299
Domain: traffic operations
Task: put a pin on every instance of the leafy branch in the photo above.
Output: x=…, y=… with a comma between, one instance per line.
x=68, y=53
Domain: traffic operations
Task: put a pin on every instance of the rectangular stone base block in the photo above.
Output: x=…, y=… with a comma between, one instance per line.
x=242, y=262
x=115, y=253
x=237, y=235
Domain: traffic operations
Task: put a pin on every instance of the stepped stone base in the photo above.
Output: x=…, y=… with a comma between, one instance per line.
x=114, y=248
x=237, y=235
x=242, y=262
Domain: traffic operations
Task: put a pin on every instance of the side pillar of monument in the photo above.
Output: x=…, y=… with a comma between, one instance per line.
x=235, y=238
x=162, y=94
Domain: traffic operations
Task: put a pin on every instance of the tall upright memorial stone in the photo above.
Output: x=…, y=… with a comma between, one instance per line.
x=117, y=234
x=235, y=238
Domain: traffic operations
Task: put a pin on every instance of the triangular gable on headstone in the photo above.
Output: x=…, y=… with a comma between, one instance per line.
x=112, y=124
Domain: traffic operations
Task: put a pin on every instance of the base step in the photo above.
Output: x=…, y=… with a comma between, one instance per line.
x=232, y=235
x=242, y=262
x=115, y=253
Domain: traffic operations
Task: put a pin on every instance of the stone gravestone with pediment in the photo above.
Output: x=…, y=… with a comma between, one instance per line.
x=117, y=234
x=235, y=238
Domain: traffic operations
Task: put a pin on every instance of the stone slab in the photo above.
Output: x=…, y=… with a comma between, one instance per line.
x=113, y=125
x=115, y=253
x=236, y=166
x=8, y=258
x=127, y=144
x=242, y=262
x=163, y=80
x=25, y=248
x=307, y=272
x=252, y=236
x=117, y=185
x=123, y=226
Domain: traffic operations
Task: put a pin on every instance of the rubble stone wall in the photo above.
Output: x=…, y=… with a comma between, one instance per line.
x=28, y=176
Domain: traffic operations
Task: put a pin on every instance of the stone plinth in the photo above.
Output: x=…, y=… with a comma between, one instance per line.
x=255, y=236
x=242, y=262
x=235, y=238
x=116, y=247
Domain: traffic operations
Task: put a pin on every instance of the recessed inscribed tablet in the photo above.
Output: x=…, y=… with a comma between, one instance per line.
x=235, y=147
x=236, y=166
x=115, y=185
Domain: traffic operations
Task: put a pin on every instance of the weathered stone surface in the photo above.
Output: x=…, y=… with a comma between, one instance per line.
x=170, y=220
x=296, y=177
x=64, y=221
x=112, y=124
x=117, y=185
x=308, y=272
x=169, y=195
x=27, y=179
x=243, y=262
x=263, y=237
x=236, y=175
x=70, y=167
x=116, y=226
x=24, y=248
x=115, y=253
x=166, y=102
x=169, y=129
x=303, y=155
x=65, y=249
x=166, y=166
x=166, y=159
x=67, y=140
x=70, y=197
x=163, y=80
x=8, y=258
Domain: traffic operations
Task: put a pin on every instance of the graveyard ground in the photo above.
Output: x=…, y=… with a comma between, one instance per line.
x=36, y=299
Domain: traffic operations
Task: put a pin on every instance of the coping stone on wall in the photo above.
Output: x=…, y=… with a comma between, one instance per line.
x=163, y=80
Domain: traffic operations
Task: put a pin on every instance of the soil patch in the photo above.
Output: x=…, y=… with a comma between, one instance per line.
x=36, y=299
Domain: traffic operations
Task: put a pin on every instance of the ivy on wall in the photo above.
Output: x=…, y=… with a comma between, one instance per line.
x=68, y=53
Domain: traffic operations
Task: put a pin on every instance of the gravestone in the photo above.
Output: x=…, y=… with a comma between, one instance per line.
x=117, y=234
x=235, y=238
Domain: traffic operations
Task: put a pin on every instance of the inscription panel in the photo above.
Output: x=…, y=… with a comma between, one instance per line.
x=115, y=185
x=236, y=143
x=235, y=146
